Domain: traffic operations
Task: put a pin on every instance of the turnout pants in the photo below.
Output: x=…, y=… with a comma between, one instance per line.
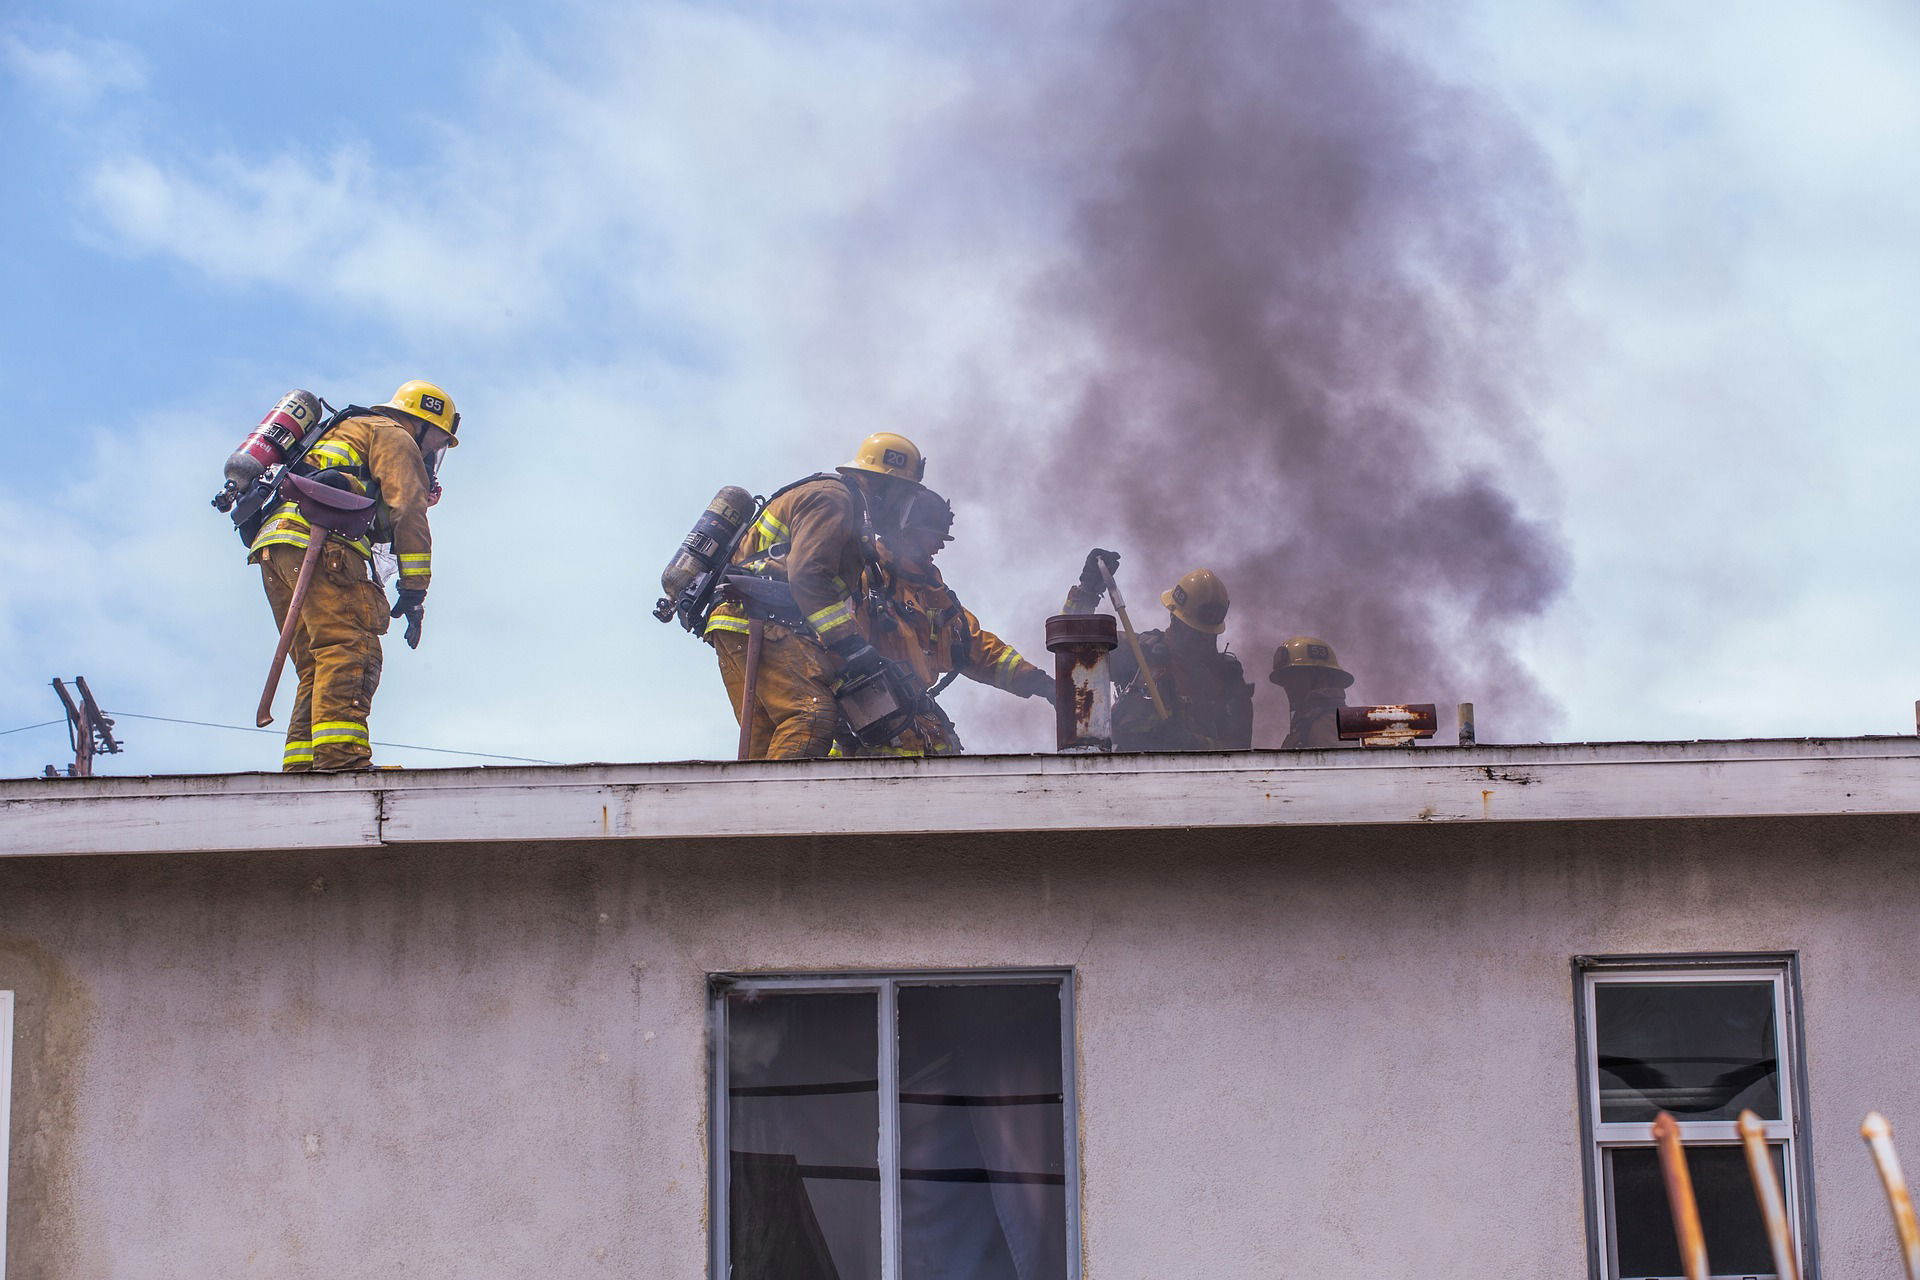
x=336, y=653
x=794, y=712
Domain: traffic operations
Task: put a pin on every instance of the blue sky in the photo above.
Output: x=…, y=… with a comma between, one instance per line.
x=616, y=233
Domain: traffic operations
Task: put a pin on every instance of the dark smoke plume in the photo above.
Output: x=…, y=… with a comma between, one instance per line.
x=1302, y=289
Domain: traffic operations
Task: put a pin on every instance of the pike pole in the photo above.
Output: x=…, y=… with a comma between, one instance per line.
x=750, y=686
x=1133, y=641
x=1686, y=1211
x=1879, y=1136
x=316, y=543
x=1766, y=1189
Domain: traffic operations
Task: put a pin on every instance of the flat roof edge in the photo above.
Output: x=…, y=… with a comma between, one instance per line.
x=960, y=796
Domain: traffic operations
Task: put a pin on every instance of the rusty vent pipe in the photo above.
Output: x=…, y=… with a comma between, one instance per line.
x=1399, y=725
x=1082, y=685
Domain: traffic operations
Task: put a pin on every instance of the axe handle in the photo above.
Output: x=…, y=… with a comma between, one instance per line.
x=1680, y=1199
x=1133, y=641
x=1766, y=1190
x=316, y=543
x=1886, y=1161
x=749, y=686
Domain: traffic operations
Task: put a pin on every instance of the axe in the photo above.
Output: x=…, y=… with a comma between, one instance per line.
x=330, y=512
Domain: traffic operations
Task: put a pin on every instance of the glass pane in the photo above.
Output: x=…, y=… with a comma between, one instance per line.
x=1729, y=1214
x=803, y=1118
x=1702, y=1050
x=983, y=1185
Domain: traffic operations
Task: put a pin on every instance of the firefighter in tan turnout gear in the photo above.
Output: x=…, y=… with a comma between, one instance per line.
x=1208, y=701
x=920, y=623
x=1316, y=688
x=800, y=570
x=390, y=453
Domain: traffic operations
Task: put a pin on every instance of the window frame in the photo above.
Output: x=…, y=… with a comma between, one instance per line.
x=886, y=985
x=1782, y=971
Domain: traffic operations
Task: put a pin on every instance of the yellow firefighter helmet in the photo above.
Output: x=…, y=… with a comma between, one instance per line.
x=429, y=404
x=1199, y=600
x=1304, y=654
x=887, y=454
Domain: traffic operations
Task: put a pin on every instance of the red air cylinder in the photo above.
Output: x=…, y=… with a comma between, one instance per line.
x=277, y=433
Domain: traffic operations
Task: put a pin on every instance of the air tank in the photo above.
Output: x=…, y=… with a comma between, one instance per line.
x=708, y=540
x=269, y=443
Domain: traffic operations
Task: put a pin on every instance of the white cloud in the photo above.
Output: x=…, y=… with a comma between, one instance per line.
x=66, y=70
x=678, y=166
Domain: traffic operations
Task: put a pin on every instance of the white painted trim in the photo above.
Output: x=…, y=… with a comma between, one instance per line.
x=1606, y=1137
x=977, y=794
x=6, y=1114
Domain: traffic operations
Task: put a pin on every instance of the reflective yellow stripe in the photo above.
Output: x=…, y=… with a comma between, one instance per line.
x=839, y=614
x=416, y=562
x=333, y=453
x=332, y=733
x=298, y=753
x=726, y=622
x=838, y=753
x=1004, y=668
x=767, y=531
x=286, y=527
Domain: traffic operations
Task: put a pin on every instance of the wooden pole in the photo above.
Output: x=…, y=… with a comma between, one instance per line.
x=1686, y=1213
x=750, y=687
x=1766, y=1189
x=80, y=729
x=316, y=543
x=1133, y=641
x=1879, y=1136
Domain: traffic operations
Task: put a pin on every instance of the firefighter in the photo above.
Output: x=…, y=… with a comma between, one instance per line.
x=800, y=569
x=392, y=453
x=1208, y=701
x=921, y=624
x=1316, y=688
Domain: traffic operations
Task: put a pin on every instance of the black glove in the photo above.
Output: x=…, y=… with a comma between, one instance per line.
x=413, y=603
x=858, y=659
x=1037, y=684
x=1091, y=580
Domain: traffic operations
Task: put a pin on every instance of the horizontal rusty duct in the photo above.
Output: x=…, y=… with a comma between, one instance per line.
x=1082, y=685
x=1394, y=725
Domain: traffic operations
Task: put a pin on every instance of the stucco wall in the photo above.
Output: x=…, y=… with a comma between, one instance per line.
x=1303, y=1052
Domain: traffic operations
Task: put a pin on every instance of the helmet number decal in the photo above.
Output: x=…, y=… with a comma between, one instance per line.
x=433, y=404
x=895, y=458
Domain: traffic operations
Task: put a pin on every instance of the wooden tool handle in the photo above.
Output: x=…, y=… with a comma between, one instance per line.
x=1133, y=641
x=316, y=543
x=749, y=687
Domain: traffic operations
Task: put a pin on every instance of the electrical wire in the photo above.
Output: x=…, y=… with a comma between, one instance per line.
x=242, y=728
x=23, y=728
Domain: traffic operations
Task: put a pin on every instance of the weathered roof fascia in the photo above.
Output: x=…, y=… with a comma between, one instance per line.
x=1564, y=782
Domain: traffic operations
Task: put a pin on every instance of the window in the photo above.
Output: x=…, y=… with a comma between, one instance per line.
x=904, y=1127
x=1704, y=1040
